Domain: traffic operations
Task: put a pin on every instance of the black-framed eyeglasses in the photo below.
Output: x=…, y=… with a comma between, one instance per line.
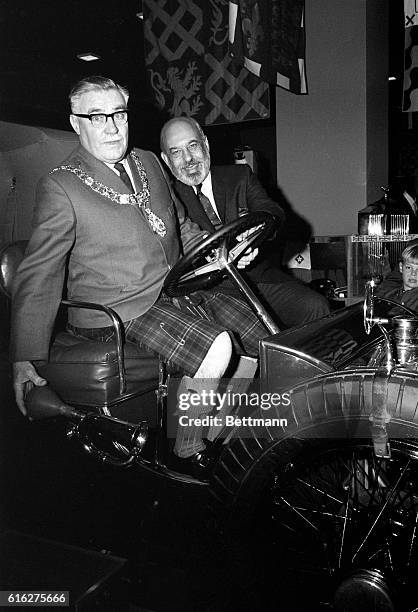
x=119, y=117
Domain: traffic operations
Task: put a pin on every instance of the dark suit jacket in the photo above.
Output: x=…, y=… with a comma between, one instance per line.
x=236, y=187
x=109, y=249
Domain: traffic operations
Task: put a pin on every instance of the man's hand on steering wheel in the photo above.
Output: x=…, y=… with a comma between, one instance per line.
x=205, y=264
x=250, y=254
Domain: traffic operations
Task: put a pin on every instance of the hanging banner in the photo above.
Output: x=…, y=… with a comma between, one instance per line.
x=268, y=38
x=189, y=69
x=410, y=75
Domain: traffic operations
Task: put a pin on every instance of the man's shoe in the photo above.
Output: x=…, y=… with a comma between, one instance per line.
x=198, y=465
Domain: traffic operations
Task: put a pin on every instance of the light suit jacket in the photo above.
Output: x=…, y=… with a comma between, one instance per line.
x=108, y=250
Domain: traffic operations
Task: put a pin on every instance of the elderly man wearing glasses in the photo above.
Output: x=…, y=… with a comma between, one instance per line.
x=109, y=219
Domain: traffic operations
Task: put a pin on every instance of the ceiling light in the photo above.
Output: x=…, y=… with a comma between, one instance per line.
x=88, y=57
x=392, y=78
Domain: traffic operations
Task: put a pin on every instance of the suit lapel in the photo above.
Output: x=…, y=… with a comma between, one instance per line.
x=220, y=193
x=192, y=205
x=102, y=173
x=134, y=171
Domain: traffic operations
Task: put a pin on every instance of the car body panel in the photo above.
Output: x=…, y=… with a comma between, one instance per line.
x=325, y=345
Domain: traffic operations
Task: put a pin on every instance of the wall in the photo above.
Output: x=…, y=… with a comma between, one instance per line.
x=332, y=152
x=26, y=154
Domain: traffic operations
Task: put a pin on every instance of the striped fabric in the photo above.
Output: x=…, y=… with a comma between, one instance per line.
x=268, y=38
x=410, y=79
x=183, y=329
x=189, y=69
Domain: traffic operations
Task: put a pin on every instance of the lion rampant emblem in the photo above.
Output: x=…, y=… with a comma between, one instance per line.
x=180, y=88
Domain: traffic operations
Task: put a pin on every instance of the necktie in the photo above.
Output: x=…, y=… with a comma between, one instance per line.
x=208, y=208
x=124, y=176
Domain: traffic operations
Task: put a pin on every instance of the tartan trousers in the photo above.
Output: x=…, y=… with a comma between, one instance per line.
x=183, y=329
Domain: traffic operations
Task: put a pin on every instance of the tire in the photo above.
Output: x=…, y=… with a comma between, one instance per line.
x=310, y=513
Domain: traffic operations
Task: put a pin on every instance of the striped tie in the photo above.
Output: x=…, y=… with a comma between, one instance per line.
x=208, y=208
x=124, y=176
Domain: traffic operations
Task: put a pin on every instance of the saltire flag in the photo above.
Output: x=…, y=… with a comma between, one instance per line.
x=410, y=75
x=189, y=69
x=268, y=38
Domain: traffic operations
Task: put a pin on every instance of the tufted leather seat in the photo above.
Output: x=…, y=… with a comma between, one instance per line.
x=86, y=372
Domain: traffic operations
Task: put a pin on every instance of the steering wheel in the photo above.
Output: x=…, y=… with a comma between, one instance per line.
x=205, y=264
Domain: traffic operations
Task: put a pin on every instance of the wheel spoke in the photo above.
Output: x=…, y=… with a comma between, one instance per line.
x=236, y=251
x=389, y=555
x=291, y=507
x=388, y=501
x=207, y=268
x=320, y=513
x=365, y=481
x=379, y=481
x=412, y=543
x=243, y=245
x=320, y=491
x=340, y=556
x=347, y=510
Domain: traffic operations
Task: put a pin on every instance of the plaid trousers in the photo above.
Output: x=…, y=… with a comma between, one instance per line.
x=183, y=329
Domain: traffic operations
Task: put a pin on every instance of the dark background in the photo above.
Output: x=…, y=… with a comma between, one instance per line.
x=39, y=43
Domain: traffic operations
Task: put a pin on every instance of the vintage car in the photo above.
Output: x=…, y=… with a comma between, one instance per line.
x=315, y=490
